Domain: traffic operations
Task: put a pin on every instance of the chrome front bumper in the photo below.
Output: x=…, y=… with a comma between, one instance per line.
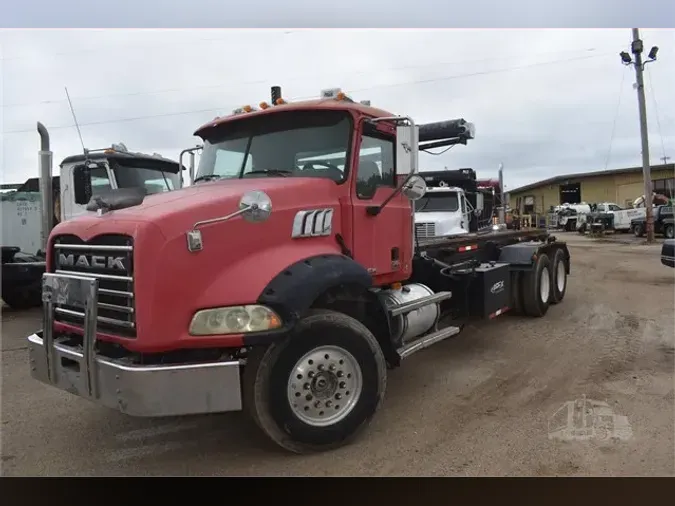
x=138, y=390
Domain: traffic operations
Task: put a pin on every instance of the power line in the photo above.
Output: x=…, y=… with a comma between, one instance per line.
x=219, y=87
x=408, y=83
x=616, y=116
x=656, y=111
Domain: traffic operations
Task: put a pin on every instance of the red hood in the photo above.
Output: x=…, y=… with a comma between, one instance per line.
x=177, y=211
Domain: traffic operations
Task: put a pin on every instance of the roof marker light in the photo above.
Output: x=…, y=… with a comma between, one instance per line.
x=331, y=93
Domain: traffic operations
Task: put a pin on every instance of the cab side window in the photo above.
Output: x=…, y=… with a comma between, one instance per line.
x=375, y=165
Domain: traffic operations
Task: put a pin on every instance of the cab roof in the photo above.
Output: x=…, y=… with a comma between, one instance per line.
x=117, y=155
x=329, y=104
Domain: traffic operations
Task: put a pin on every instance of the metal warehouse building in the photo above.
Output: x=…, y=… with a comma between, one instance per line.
x=621, y=186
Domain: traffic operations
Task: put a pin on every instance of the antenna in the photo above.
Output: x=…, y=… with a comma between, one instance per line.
x=75, y=119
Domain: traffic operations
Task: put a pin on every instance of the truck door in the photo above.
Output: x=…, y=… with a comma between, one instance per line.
x=381, y=243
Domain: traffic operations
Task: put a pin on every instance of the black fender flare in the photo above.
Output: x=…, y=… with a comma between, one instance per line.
x=519, y=256
x=293, y=290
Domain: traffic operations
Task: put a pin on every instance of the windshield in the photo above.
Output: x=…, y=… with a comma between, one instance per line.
x=299, y=143
x=153, y=179
x=437, y=202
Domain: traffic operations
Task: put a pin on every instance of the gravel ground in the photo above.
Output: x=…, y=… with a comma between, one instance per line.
x=478, y=404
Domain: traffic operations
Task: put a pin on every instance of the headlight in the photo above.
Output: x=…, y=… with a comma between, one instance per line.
x=234, y=320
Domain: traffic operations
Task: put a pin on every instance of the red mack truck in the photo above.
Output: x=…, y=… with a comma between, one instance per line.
x=285, y=281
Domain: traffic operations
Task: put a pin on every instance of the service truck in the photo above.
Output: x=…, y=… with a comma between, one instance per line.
x=664, y=224
x=285, y=281
x=81, y=176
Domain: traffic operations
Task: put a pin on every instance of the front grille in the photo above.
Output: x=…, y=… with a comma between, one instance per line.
x=425, y=230
x=110, y=259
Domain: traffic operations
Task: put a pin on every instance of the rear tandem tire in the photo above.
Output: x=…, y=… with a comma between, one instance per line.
x=536, y=287
x=559, y=277
x=297, y=364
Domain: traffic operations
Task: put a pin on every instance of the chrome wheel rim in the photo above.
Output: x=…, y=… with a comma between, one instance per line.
x=561, y=276
x=324, y=386
x=544, y=285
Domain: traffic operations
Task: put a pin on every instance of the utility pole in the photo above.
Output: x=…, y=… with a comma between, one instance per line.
x=636, y=49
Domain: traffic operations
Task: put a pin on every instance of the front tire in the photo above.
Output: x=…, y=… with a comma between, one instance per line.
x=638, y=231
x=536, y=287
x=335, y=365
x=669, y=232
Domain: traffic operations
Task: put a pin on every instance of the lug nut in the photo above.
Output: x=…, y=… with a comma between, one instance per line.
x=332, y=367
x=317, y=404
x=328, y=404
x=306, y=386
x=338, y=396
x=321, y=367
x=343, y=384
x=340, y=374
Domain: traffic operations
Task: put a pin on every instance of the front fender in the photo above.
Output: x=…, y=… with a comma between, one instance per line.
x=293, y=290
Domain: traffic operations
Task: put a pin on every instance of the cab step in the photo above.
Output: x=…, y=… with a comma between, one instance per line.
x=426, y=341
x=407, y=307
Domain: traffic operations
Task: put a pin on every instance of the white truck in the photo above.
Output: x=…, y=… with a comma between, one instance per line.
x=452, y=205
x=25, y=227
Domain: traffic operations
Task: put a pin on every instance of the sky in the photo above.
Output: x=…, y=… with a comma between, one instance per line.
x=544, y=101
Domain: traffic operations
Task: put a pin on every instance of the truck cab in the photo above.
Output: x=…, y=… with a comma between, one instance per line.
x=442, y=212
x=84, y=176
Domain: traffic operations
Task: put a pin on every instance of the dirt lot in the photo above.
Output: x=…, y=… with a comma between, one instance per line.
x=478, y=404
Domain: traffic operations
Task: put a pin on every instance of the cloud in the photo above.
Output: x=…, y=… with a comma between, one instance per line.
x=544, y=101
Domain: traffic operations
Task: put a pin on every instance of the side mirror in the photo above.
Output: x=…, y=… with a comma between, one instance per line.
x=82, y=184
x=414, y=188
x=256, y=206
x=407, y=150
x=480, y=202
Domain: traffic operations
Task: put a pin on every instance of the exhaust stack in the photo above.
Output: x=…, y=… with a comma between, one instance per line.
x=45, y=164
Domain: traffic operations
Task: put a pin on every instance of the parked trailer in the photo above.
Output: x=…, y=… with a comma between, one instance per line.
x=306, y=279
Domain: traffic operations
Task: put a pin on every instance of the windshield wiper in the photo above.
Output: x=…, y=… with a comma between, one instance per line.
x=271, y=172
x=206, y=177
